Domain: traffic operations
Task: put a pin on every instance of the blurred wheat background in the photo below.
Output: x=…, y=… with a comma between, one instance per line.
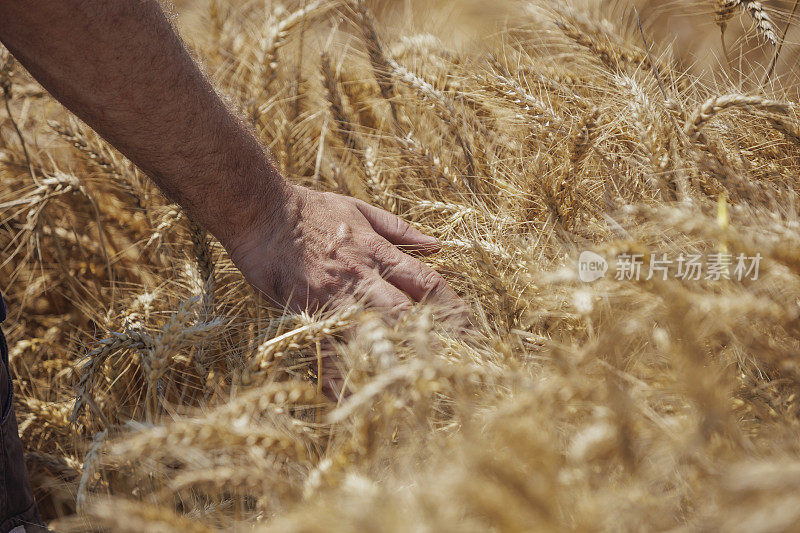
x=157, y=392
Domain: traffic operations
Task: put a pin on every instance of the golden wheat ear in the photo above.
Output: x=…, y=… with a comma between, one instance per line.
x=764, y=24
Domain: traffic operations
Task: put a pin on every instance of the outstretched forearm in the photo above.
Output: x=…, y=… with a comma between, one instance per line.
x=120, y=67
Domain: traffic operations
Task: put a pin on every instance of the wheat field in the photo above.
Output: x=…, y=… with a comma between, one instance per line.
x=156, y=391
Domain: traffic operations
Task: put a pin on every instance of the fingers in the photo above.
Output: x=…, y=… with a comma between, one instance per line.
x=383, y=296
x=396, y=230
x=417, y=279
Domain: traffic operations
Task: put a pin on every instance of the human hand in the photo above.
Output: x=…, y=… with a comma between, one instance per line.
x=323, y=250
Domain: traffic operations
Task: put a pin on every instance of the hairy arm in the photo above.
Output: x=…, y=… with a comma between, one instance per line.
x=120, y=67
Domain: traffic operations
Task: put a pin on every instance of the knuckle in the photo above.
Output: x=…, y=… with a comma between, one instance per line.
x=401, y=227
x=338, y=279
x=343, y=234
x=402, y=306
x=397, y=303
x=328, y=284
x=376, y=246
x=274, y=282
x=430, y=281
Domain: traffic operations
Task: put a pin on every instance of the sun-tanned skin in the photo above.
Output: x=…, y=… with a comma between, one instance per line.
x=120, y=67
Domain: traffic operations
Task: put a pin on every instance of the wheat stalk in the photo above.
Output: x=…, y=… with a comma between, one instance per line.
x=715, y=105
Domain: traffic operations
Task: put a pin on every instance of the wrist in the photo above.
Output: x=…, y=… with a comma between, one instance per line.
x=245, y=199
x=270, y=231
